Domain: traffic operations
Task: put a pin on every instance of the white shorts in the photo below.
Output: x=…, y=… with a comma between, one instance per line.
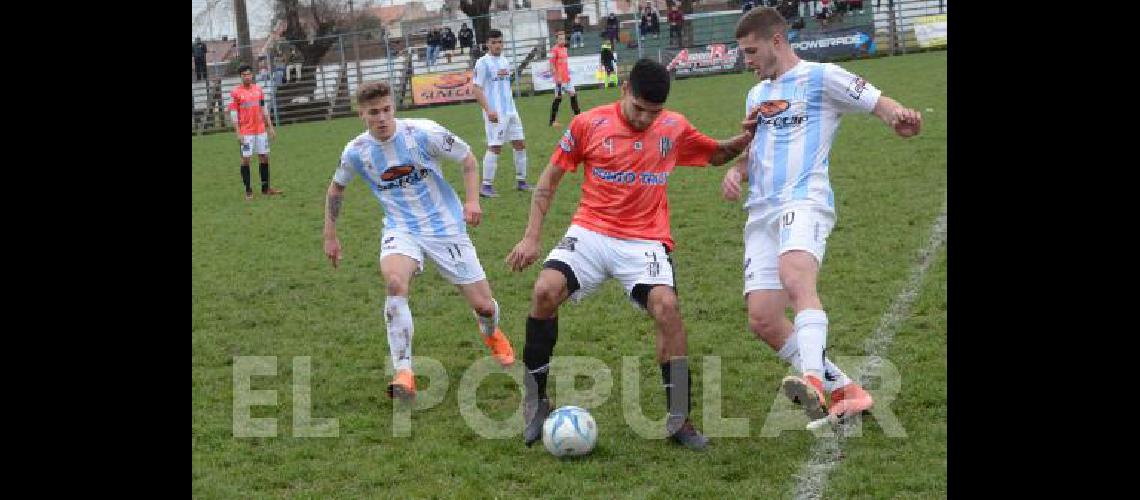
x=559, y=88
x=454, y=255
x=771, y=232
x=594, y=257
x=509, y=128
x=251, y=144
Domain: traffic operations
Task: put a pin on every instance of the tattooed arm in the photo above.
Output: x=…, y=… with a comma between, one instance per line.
x=526, y=251
x=333, y=200
x=728, y=149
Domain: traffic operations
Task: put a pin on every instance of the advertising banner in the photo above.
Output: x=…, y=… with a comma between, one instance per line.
x=582, y=69
x=707, y=60
x=442, y=87
x=846, y=42
x=930, y=31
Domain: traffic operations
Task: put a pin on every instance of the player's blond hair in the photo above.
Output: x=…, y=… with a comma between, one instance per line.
x=763, y=22
x=372, y=90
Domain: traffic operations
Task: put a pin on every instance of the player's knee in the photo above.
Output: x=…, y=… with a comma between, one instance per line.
x=545, y=296
x=764, y=326
x=663, y=303
x=799, y=288
x=519, y=145
x=397, y=286
x=484, y=307
x=496, y=149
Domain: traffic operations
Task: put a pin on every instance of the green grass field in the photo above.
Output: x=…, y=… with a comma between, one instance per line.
x=262, y=287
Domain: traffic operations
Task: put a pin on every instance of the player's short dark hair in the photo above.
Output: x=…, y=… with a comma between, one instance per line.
x=372, y=90
x=762, y=22
x=494, y=34
x=649, y=80
x=245, y=67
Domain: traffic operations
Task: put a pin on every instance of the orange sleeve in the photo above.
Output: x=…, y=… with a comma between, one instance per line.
x=569, y=152
x=694, y=149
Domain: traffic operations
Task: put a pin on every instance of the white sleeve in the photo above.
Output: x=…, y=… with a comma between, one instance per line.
x=443, y=143
x=345, y=171
x=748, y=101
x=480, y=70
x=848, y=92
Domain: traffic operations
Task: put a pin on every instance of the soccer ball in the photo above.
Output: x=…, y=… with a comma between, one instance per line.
x=569, y=431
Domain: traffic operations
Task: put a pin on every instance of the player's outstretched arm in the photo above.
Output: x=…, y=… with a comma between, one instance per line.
x=906, y=122
x=333, y=199
x=472, y=212
x=728, y=149
x=526, y=251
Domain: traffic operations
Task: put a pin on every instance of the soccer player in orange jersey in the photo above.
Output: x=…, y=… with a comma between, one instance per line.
x=560, y=67
x=251, y=120
x=620, y=230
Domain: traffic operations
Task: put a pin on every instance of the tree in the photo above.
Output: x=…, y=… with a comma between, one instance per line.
x=309, y=31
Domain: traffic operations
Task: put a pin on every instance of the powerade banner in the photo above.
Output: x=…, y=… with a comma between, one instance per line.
x=846, y=42
x=438, y=88
x=715, y=58
x=582, y=69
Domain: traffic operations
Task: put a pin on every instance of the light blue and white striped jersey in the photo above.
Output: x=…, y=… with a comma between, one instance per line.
x=493, y=75
x=405, y=175
x=799, y=115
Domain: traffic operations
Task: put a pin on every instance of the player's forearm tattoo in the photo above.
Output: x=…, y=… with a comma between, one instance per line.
x=542, y=198
x=727, y=150
x=334, y=206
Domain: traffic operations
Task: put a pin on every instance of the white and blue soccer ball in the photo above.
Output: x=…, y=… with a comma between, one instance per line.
x=569, y=431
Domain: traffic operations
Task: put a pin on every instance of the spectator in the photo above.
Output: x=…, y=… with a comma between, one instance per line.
x=655, y=24
x=448, y=39
x=676, y=20
x=824, y=12
x=612, y=28
x=434, y=40
x=644, y=26
x=466, y=38
x=747, y=6
x=199, y=59
x=576, y=32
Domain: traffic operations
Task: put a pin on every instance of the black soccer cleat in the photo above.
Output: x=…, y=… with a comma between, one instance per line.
x=535, y=413
x=690, y=437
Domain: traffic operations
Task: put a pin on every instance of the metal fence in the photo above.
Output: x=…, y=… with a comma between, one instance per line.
x=399, y=54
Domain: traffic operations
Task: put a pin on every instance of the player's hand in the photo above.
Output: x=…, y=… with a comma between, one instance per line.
x=523, y=255
x=272, y=133
x=748, y=125
x=493, y=116
x=730, y=186
x=472, y=212
x=332, y=250
x=907, y=122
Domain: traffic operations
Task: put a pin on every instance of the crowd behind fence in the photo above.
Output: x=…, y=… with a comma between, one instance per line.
x=420, y=75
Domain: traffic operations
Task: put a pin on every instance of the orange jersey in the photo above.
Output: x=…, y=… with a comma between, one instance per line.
x=627, y=172
x=560, y=64
x=248, y=103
